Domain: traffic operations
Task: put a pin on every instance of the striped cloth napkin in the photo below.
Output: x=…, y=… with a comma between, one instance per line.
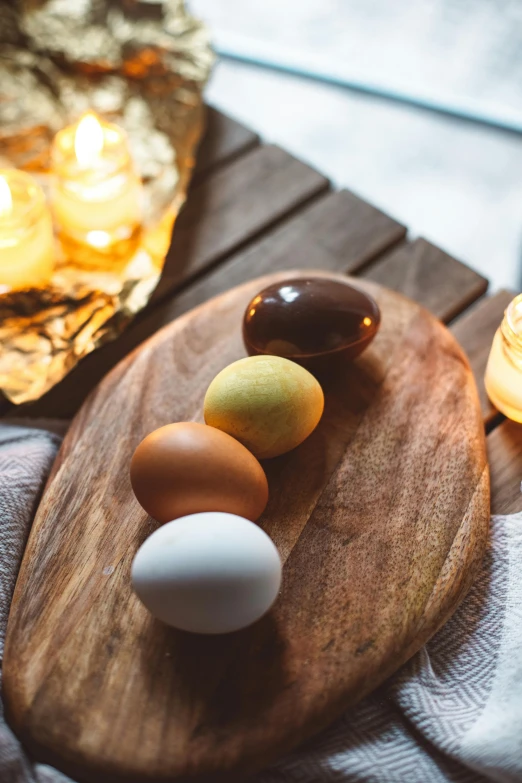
x=453, y=714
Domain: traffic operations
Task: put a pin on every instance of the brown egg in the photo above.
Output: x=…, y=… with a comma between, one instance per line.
x=187, y=468
x=314, y=321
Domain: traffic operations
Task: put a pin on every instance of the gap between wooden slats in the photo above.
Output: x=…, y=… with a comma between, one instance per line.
x=225, y=139
x=428, y=275
x=505, y=463
x=232, y=207
x=475, y=331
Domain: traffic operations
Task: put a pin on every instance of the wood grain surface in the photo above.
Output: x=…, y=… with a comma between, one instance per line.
x=381, y=517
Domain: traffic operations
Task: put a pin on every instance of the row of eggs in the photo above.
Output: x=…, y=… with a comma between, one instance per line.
x=209, y=568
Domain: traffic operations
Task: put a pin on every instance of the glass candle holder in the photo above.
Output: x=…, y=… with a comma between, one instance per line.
x=503, y=377
x=96, y=192
x=26, y=234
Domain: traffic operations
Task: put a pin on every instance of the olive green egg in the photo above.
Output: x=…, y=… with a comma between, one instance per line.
x=268, y=403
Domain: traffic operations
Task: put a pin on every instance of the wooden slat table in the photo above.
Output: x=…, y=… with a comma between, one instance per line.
x=253, y=209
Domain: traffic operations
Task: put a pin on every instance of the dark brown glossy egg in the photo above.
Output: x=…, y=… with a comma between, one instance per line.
x=314, y=321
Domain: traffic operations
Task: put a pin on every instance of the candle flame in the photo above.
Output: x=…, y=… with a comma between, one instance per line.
x=6, y=200
x=88, y=140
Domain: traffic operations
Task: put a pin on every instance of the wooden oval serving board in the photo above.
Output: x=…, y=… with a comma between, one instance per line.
x=381, y=517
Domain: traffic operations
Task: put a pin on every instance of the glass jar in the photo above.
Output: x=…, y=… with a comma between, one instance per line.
x=27, y=249
x=96, y=199
x=503, y=378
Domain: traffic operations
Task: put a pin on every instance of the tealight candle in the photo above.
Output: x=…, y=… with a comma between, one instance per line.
x=504, y=370
x=26, y=235
x=96, y=193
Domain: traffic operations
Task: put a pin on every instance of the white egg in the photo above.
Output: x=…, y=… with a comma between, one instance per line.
x=208, y=573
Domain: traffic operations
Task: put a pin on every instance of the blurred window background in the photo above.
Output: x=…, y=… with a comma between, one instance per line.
x=415, y=105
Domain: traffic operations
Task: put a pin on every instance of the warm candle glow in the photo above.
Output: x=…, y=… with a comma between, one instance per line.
x=88, y=140
x=96, y=193
x=26, y=236
x=6, y=200
x=504, y=370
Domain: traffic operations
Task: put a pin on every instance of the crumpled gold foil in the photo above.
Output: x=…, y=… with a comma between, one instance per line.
x=143, y=65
